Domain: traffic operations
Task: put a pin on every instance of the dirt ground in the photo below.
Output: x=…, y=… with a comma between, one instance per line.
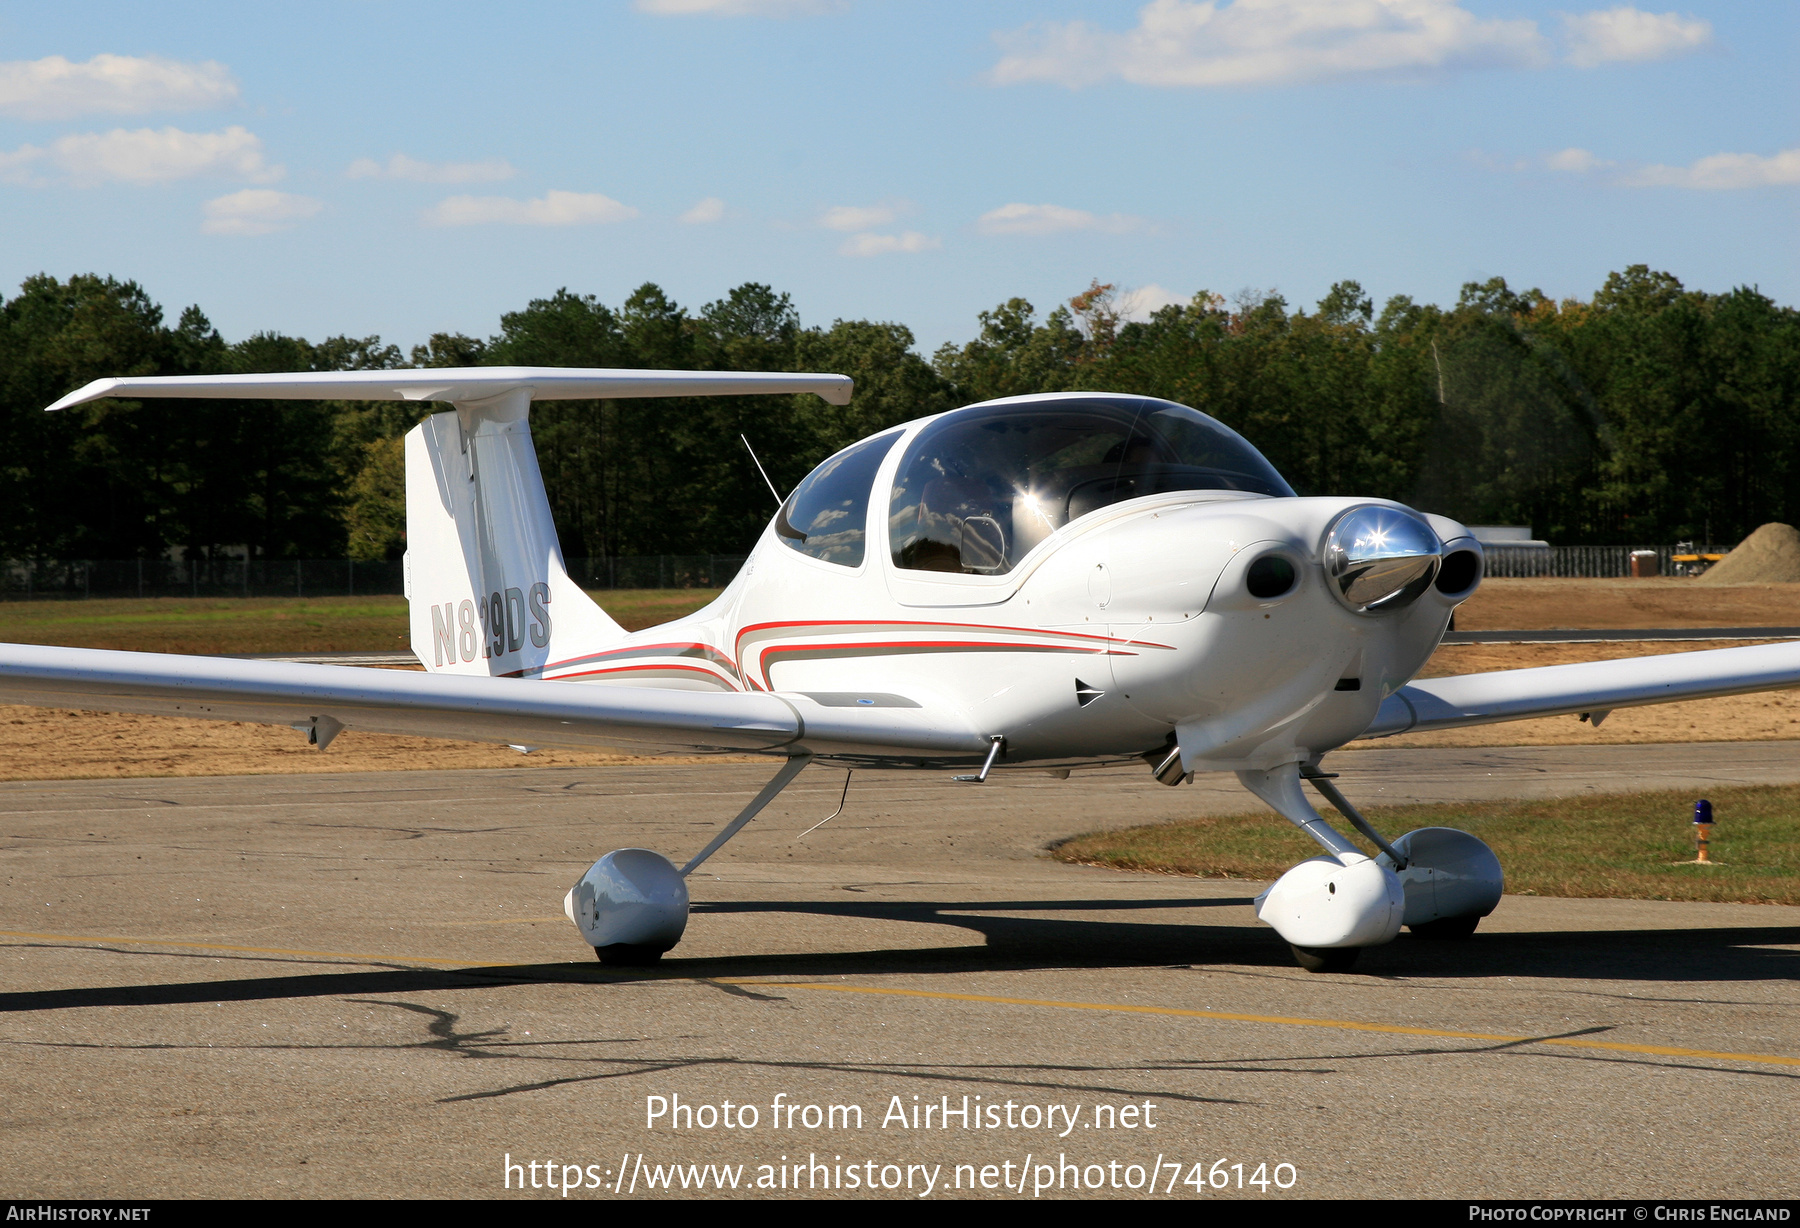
x=1535, y=605
x=38, y=744
x=52, y=744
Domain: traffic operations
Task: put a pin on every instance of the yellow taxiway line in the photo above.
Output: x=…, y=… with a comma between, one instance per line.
x=1177, y=1012
x=1300, y=1021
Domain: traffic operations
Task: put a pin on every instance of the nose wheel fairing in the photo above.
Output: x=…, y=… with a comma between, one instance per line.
x=1437, y=881
x=1327, y=902
x=1342, y=899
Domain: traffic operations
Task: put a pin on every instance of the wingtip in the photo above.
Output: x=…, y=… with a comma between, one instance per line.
x=840, y=393
x=93, y=390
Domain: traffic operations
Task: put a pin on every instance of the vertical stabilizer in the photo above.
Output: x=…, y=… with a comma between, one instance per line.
x=484, y=573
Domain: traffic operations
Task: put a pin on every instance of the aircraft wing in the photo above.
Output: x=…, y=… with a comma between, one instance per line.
x=1596, y=687
x=465, y=384
x=324, y=699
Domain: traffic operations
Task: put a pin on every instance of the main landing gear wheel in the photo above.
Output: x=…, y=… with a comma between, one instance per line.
x=1446, y=927
x=631, y=906
x=1325, y=959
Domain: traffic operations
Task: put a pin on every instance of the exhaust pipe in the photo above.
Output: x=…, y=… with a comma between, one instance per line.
x=1165, y=765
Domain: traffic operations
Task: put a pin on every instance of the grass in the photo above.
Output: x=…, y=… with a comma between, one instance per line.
x=1607, y=846
x=248, y=625
x=637, y=608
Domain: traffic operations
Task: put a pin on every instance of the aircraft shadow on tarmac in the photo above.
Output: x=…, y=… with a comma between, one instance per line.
x=1011, y=942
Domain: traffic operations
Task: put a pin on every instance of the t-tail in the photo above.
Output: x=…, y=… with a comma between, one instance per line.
x=485, y=581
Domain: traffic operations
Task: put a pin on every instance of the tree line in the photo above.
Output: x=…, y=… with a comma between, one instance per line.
x=1647, y=413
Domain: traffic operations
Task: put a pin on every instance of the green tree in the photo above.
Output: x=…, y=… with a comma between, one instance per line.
x=1650, y=412
x=1013, y=354
x=893, y=384
x=375, y=512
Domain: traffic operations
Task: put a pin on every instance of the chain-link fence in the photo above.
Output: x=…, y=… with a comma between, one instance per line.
x=1588, y=562
x=193, y=578
x=656, y=571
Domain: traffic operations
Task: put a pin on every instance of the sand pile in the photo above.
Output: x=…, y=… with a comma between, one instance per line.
x=1771, y=555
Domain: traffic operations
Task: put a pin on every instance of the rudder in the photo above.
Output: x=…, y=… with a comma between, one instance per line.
x=486, y=588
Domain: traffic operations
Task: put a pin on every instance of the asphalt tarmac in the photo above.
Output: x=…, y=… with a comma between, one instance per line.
x=362, y=985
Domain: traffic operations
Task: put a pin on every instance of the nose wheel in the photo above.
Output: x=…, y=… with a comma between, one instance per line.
x=1325, y=959
x=1446, y=927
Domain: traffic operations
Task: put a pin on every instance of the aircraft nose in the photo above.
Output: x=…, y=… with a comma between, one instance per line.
x=1380, y=558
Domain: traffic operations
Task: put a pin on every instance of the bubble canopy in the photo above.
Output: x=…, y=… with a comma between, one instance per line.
x=979, y=487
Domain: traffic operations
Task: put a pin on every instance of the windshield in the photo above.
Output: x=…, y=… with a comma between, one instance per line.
x=978, y=489
x=826, y=514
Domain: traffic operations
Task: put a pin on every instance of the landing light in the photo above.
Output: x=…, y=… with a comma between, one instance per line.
x=1380, y=558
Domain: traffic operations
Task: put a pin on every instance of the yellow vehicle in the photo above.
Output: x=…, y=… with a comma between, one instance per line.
x=1687, y=561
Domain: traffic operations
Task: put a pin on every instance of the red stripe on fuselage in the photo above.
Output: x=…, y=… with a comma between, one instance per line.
x=898, y=623
x=881, y=648
x=712, y=675
x=739, y=679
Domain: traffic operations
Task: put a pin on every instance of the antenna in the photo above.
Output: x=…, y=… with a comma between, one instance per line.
x=846, y=795
x=759, y=468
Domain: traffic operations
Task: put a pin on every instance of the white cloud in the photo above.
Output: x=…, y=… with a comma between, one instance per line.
x=878, y=245
x=1629, y=34
x=861, y=217
x=1020, y=219
x=144, y=155
x=1718, y=172
x=1145, y=301
x=551, y=209
x=737, y=8
x=17, y=165
x=711, y=209
x=1722, y=172
x=256, y=211
x=1496, y=162
x=1190, y=43
x=1575, y=161
x=55, y=88
x=402, y=167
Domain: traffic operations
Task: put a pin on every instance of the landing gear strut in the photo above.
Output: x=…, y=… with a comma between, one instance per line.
x=632, y=904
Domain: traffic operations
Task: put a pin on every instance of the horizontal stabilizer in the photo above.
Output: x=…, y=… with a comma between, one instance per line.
x=1593, y=686
x=463, y=385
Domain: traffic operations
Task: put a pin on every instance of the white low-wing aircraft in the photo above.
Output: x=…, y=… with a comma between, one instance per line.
x=1039, y=583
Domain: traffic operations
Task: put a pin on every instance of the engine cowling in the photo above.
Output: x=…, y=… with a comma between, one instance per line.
x=1328, y=902
x=1450, y=876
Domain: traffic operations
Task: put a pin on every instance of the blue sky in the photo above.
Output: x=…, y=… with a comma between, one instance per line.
x=400, y=168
